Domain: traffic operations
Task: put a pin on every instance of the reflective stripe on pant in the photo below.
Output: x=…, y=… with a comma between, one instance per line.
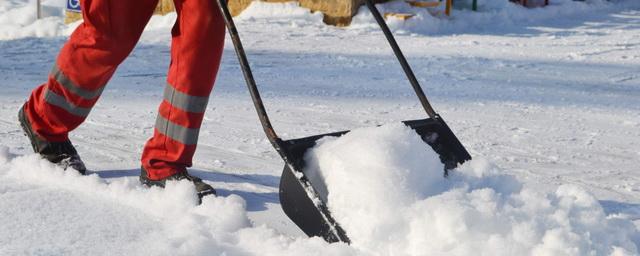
x=106, y=37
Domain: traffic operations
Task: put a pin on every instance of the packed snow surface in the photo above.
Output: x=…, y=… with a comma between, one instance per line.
x=386, y=188
x=70, y=214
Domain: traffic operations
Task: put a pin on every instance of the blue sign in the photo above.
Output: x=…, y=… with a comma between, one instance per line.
x=73, y=5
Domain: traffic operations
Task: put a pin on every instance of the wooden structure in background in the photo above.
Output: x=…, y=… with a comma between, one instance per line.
x=164, y=7
x=399, y=15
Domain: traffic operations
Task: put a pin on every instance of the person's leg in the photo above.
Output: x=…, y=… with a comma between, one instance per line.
x=86, y=62
x=196, y=49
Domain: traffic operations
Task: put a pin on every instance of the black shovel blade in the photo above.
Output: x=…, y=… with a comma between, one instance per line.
x=304, y=206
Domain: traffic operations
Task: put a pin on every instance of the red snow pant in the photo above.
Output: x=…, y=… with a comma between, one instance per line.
x=95, y=49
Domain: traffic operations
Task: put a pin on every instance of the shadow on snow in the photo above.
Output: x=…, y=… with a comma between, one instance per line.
x=256, y=201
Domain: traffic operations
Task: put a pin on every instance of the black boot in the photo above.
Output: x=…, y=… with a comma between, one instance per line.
x=203, y=189
x=62, y=154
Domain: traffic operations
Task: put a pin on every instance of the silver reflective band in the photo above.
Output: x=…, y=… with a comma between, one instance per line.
x=57, y=100
x=71, y=86
x=185, y=102
x=187, y=136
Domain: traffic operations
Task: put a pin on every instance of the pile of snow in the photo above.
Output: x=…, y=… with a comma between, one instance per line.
x=286, y=10
x=385, y=186
x=490, y=14
x=18, y=19
x=47, y=211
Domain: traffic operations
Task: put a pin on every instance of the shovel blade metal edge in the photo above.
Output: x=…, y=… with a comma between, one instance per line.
x=311, y=214
x=310, y=217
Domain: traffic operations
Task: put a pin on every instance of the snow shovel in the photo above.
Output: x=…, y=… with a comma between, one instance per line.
x=298, y=198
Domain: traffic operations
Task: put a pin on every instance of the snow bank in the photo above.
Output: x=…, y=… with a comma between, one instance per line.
x=490, y=14
x=386, y=188
x=18, y=20
x=286, y=10
x=48, y=211
x=17, y=17
x=176, y=224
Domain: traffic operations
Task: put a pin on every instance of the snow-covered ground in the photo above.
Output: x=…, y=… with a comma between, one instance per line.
x=551, y=96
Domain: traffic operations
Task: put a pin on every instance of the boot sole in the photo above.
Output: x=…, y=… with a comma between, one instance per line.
x=26, y=129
